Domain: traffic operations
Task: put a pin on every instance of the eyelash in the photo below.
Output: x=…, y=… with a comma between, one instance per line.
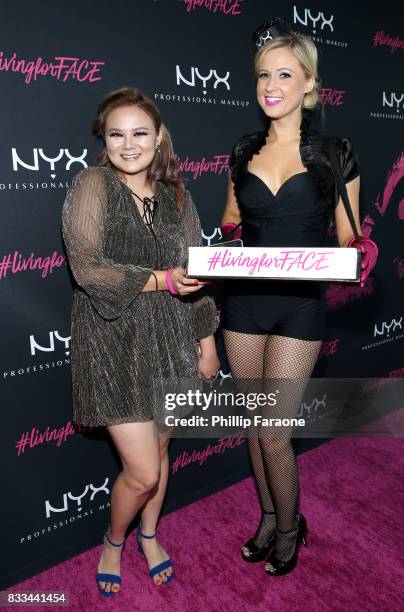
x=135, y=134
x=264, y=75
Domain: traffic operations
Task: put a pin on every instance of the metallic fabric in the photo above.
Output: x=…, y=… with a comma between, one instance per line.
x=125, y=342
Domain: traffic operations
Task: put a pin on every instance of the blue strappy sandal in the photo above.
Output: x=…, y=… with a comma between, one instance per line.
x=112, y=578
x=157, y=568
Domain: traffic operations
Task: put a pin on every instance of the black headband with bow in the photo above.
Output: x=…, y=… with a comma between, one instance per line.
x=270, y=30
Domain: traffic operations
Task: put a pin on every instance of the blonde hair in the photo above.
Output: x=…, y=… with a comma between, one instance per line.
x=163, y=166
x=306, y=53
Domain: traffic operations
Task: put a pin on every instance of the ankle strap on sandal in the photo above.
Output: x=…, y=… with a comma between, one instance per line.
x=113, y=543
x=289, y=530
x=147, y=537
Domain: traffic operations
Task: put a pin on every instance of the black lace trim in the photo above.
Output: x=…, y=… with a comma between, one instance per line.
x=315, y=159
x=312, y=152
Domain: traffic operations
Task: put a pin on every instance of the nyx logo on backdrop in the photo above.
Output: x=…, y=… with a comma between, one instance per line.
x=225, y=7
x=315, y=410
x=203, y=78
x=39, y=161
x=386, y=331
x=392, y=104
x=320, y=24
x=52, y=335
x=44, y=346
x=78, y=507
x=215, y=236
x=201, y=86
x=76, y=498
x=385, y=327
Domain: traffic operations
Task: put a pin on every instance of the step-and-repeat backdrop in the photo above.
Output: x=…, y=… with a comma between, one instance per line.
x=194, y=58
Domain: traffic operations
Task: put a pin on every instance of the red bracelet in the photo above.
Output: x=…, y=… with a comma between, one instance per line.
x=169, y=283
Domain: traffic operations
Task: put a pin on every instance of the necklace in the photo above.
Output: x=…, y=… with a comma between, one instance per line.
x=150, y=206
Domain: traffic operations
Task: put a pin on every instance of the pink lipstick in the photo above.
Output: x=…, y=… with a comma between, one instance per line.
x=272, y=100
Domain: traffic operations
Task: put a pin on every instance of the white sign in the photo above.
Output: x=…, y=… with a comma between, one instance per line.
x=294, y=263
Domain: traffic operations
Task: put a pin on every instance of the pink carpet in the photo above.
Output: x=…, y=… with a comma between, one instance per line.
x=352, y=495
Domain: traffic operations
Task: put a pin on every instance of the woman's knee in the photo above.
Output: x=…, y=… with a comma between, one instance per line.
x=272, y=445
x=141, y=482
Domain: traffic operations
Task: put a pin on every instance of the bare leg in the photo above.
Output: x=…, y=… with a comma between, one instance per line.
x=154, y=552
x=138, y=448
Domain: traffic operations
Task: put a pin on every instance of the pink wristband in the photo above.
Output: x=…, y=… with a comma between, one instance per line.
x=169, y=283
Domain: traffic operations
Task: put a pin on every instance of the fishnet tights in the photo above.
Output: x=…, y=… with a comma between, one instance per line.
x=253, y=356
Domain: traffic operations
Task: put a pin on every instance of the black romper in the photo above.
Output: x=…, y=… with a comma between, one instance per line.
x=297, y=216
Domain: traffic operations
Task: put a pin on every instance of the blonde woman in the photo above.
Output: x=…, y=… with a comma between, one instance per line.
x=283, y=192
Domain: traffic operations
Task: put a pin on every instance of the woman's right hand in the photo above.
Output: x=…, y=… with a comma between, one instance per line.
x=184, y=285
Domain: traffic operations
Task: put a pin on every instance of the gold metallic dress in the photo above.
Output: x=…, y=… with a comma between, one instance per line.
x=125, y=341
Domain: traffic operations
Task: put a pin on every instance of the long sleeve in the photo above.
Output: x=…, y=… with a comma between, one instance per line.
x=111, y=286
x=205, y=317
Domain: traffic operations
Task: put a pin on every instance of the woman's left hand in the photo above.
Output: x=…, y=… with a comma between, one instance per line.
x=208, y=365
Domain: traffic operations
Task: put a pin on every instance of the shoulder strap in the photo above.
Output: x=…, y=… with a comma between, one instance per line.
x=336, y=170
